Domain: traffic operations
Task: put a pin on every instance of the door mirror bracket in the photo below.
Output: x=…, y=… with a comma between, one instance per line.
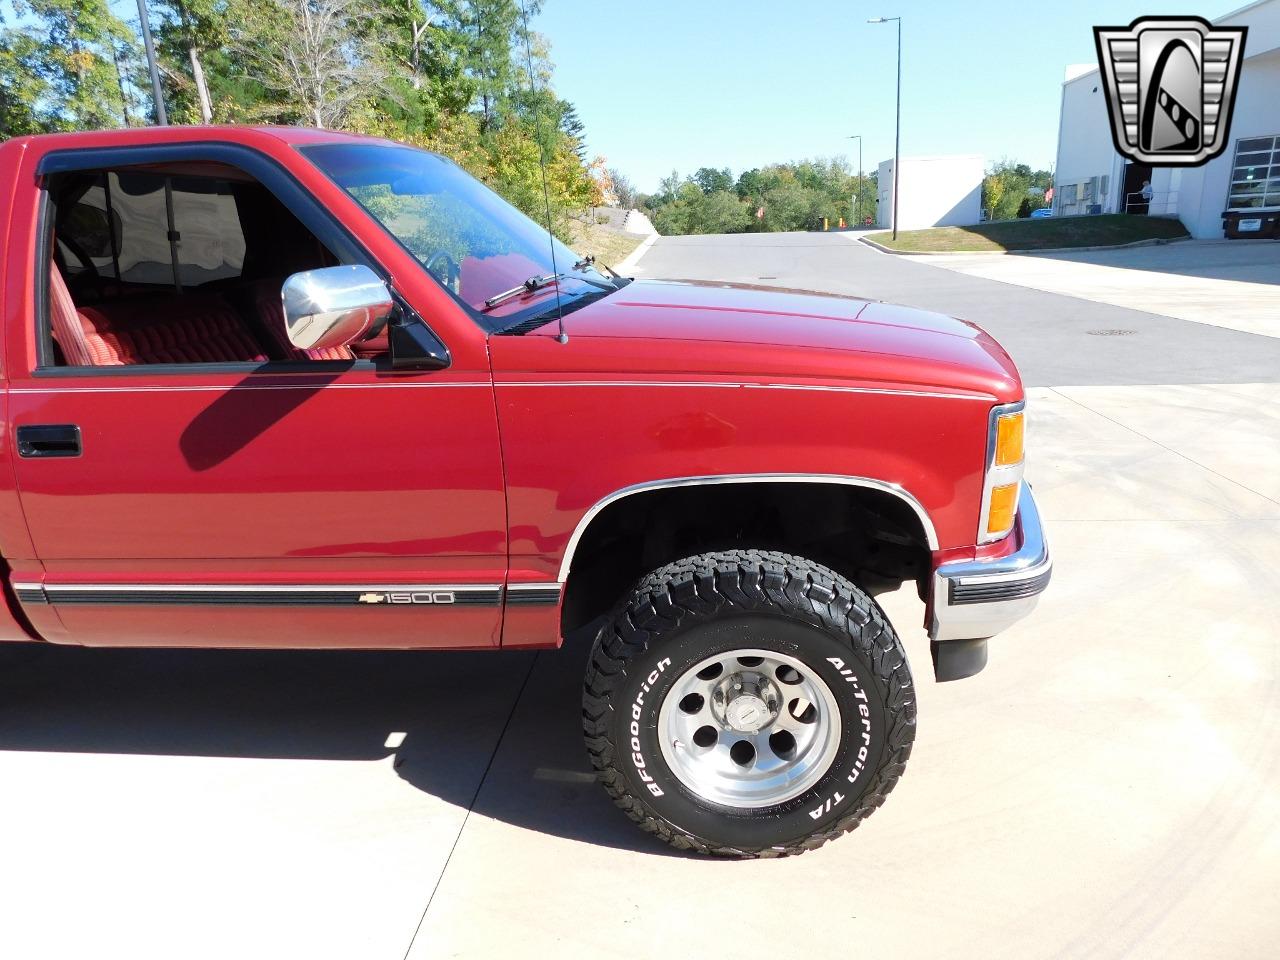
x=414, y=345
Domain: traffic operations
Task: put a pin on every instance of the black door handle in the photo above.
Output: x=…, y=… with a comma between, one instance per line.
x=49, y=440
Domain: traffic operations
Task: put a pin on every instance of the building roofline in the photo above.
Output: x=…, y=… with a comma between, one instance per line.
x=1222, y=19
x=1245, y=9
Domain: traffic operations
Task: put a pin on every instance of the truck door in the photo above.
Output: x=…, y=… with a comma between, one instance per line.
x=191, y=479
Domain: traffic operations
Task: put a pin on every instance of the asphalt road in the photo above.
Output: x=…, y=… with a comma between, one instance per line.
x=1054, y=339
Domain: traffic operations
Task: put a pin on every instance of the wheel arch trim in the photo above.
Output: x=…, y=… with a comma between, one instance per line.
x=867, y=483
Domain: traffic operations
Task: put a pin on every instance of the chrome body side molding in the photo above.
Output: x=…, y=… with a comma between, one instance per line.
x=533, y=594
x=285, y=595
x=262, y=595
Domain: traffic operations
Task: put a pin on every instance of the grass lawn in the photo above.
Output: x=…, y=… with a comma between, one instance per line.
x=607, y=246
x=1046, y=234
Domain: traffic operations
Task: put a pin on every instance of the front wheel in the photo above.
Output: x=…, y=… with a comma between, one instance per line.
x=748, y=703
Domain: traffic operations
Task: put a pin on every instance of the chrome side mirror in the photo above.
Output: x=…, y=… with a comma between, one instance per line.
x=334, y=306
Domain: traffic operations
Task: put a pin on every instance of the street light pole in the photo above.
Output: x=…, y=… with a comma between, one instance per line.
x=897, y=124
x=858, y=137
x=162, y=118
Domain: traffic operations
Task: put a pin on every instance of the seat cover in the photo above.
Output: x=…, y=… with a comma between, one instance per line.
x=192, y=328
x=67, y=329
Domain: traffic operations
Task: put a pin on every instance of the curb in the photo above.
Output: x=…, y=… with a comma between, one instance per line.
x=1154, y=242
x=629, y=262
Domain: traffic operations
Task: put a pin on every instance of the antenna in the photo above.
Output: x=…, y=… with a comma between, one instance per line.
x=542, y=163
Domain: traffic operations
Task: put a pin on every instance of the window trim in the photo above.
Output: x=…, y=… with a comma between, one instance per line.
x=269, y=173
x=272, y=367
x=40, y=301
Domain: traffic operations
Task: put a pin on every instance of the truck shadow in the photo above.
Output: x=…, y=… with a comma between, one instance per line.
x=497, y=732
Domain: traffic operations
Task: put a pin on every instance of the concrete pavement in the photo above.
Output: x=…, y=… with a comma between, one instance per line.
x=1109, y=787
x=1223, y=283
x=1106, y=788
x=219, y=804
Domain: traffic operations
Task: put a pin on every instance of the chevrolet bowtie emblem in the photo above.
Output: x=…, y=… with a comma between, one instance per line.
x=373, y=598
x=1170, y=84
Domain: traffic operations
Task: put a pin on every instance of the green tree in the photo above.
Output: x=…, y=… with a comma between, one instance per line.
x=788, y=205
x=491, y=32
x=427, y=61
x=571, y=126
x=185, y=30
x=710, y=180
x=669, y=188
x=311, y=56
x=787, y=196
x=1012, y=189
x=81, y=59
x=720, y=212
x=454, y=76
x=22, y=87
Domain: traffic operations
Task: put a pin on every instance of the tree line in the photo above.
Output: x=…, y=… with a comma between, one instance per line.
x=781, y=196
x=811, y=195
x=465, y=78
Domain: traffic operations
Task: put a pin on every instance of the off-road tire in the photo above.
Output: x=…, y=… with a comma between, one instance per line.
x=717, y=602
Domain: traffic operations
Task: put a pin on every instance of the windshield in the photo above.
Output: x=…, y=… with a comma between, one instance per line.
x=478, y=246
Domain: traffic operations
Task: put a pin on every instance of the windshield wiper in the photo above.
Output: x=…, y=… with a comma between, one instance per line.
x=532, y=285
x=590, y=261
x=542, y=317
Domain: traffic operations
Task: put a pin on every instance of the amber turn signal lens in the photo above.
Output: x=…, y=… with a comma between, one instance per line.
x=1009, y=439
x=1004, y=504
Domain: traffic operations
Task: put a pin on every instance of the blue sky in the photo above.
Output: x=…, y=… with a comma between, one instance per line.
x=741, y=83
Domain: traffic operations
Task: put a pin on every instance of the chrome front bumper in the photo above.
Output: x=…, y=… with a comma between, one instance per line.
x=976, y=599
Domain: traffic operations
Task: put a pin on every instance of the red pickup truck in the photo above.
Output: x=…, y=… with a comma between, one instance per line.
x=288, y=388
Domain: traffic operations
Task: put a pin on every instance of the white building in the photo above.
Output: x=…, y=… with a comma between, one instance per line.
x=934, y=192
x=1091, y=177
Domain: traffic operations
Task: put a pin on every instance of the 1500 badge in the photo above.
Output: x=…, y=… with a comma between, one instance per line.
x=425, y=596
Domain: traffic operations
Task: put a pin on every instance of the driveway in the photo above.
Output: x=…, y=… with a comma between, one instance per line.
x=1224, y=283
x=1108, y=787
x=1055, y=338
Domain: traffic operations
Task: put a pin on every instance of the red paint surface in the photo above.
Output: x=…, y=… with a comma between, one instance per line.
x=472, y=474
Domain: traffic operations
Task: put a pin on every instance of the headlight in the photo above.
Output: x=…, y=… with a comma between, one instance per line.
x=1003, y=483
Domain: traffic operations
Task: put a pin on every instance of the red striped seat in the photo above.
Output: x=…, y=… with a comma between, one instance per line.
x=192, y=328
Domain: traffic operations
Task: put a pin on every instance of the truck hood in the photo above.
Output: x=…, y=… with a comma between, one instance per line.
x=767, y=331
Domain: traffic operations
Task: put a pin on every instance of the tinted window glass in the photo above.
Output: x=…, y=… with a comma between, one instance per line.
x=478, y=246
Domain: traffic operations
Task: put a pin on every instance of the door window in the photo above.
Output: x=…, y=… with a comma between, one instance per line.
x=175, y=265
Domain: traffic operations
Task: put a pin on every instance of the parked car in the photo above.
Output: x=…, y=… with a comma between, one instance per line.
x=1042, y=213
x=288, y=388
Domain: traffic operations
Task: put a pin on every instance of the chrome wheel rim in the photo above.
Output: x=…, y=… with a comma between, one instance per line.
x=749, y=728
